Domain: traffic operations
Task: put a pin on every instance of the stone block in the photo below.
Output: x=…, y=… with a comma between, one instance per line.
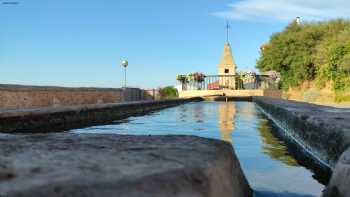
x=340, y=181
x=104, y=165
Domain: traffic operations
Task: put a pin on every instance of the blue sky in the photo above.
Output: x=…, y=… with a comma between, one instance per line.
x=82, y=42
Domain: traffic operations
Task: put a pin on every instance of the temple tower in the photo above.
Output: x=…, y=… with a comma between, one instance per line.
x=227, y=67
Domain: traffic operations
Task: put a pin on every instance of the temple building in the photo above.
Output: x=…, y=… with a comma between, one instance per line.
x=227, y=67
x=226, y=71
x=228, y=83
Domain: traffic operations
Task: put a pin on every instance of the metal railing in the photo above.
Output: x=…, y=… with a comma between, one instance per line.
x=231, y=82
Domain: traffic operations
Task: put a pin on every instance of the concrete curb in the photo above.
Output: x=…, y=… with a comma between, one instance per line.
x=323, y=131
x=56, y=119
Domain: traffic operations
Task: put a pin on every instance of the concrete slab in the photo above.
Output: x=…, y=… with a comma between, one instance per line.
x=67, y=164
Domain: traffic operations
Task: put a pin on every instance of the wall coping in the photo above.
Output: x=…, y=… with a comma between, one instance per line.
x=10, y=87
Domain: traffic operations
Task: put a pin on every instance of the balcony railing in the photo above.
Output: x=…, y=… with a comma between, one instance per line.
x=231, y=82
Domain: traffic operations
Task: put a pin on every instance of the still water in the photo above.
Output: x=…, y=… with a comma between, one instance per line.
x=272, y=166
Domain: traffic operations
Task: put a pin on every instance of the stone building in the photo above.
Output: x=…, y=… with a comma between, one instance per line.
x=227, y=67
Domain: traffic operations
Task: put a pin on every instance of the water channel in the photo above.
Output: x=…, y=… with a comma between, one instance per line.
x=272, y=164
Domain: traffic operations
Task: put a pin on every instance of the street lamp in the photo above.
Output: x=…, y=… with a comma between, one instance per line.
x=125, y=64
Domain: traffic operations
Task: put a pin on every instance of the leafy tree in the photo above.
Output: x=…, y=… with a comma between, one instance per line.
x=317, y=52
x=168, y=92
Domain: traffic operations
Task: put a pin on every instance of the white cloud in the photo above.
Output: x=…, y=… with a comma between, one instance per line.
x=286, y=10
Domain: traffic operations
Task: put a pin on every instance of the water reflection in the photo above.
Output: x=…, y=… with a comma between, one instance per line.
x=247, y=110
x=272, y=166
x=256, y=139
x=273, y=146
x=292, y=151
x=198, y=114
x=182, y=116
x=226, y=115
x=274, y=194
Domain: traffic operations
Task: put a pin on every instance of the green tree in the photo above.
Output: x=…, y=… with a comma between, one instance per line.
x=168, y=92
x=312, y=51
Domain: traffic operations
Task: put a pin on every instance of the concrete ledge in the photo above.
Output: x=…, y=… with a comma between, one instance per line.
x=323, y=131
x=340, y=181
x=231, y=93
x=228, y=98
x=112, y=165
x=54, y=119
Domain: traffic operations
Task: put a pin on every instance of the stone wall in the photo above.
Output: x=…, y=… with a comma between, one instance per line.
x=15, y=96
x=63, y=118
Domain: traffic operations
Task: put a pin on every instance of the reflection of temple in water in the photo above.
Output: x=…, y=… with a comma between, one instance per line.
x=226, y=113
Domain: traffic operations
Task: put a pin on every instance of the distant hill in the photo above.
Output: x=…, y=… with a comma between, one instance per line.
x=313, y=59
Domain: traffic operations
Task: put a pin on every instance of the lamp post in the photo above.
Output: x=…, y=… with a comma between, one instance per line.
x=125, y=64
